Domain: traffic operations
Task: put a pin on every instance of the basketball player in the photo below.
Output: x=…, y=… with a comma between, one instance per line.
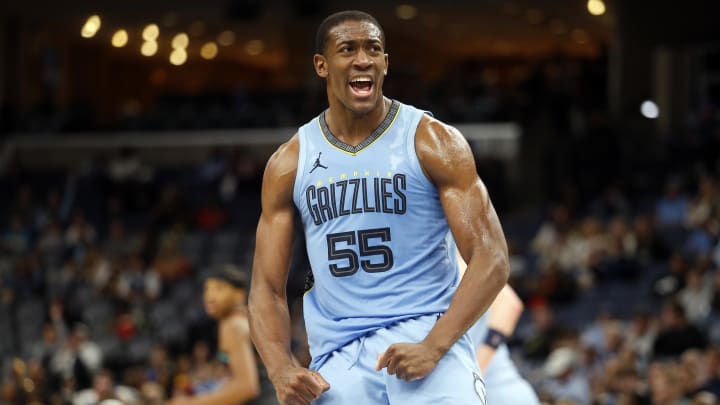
x=504, y=383
x=379, y=187
x=224, y=299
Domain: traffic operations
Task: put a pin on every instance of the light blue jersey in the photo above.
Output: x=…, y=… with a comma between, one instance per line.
x=377, y=237
x=504, y=383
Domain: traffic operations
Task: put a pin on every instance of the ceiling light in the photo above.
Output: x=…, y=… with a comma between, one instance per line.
x=209, y=50
x=151, y=32
x=596, y=7
x=119, y=38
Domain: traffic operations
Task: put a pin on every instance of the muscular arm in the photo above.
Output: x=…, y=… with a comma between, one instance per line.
x=244, y=383
x=269, y=315
x=448, y=162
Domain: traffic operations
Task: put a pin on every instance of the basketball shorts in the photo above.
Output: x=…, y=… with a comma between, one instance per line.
x=350, y=371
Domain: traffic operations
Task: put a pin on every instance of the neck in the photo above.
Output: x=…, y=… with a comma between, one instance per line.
x=351, y=127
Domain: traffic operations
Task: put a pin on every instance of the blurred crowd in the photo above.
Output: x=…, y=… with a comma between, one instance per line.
x=101, y=273
x=624, y=306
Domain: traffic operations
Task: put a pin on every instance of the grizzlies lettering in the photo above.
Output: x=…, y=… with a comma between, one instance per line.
x=357, y=196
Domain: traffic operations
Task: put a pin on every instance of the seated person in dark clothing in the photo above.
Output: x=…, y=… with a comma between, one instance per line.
x=676, y=335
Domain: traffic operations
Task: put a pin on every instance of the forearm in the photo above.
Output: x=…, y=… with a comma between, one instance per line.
x=270, y=328
x=505, y=311
x=484, y=355
x=504, y=314
x=478, y=288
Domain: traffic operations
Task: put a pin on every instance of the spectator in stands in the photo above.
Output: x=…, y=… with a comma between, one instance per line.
x=694, y=367
x=51, y=211
x=17, y=237
x=705, y=206
x=666, y=385
x=130, y=176
x=555, y=285
x=625, y=385
x=672, y=209
x=641, y=336
x=27, y=279
x=675, y=334
x=170, y=263
x=136, y=284
x=552, y=232
x=104, y=389
x=673, y=280
x=160, y=369
x=696, y=297
x=540, y=335
x=616, y=260
x=650, y=247
x=95, y=269
x=712, y=384
x=80, y=233
x=118, y=243
x=50, y=241
x=211, y=217
x=565, y=379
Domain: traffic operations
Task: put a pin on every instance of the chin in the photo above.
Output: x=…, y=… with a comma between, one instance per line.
x=362, y=107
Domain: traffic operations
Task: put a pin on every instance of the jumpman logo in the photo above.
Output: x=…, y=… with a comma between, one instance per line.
x=317, y=163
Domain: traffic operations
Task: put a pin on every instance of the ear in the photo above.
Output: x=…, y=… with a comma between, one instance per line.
x=320, y=64
x=386, y=64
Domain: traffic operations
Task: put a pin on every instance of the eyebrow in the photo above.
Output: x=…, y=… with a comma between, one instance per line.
x=355, y=41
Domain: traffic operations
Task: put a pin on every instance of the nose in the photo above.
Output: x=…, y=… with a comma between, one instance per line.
x=363, y=60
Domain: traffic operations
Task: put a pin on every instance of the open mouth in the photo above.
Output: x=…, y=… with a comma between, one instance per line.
x=361, y=86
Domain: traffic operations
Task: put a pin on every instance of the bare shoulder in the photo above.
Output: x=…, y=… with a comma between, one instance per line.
x=441, y=149
x=283, y=161
x=234, y=330
x=279, y=177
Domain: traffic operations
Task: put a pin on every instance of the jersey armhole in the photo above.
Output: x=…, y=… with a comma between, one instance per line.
x=410, y=146
x=300, y=173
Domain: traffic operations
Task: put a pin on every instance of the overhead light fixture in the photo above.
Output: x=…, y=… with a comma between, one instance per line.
x=119, y=38
x=180, y=40
x=209, y=50
x=596, y=7
x=149, y=48
x=178, y=56
x=91, y=27
x=649, y=109
x=151, y=32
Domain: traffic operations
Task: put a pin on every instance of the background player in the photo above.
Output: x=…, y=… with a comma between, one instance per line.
x=386, y=319
x=504, y=384
x=224, y=298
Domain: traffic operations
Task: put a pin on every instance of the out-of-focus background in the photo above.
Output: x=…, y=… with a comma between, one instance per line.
x=133, y=135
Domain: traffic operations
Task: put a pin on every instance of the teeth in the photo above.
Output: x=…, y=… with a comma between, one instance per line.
x=361, y=80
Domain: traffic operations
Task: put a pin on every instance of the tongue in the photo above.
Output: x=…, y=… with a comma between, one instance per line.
x=361, y=86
